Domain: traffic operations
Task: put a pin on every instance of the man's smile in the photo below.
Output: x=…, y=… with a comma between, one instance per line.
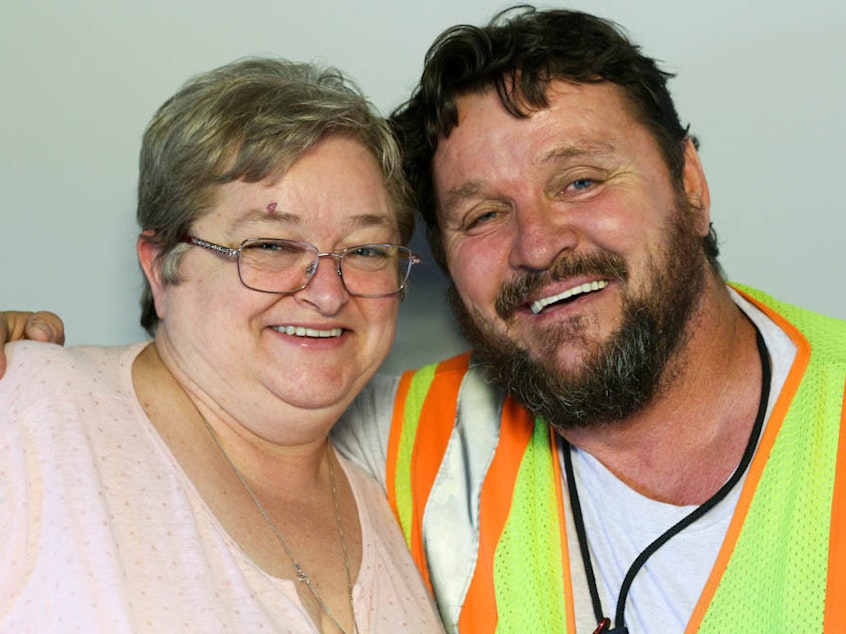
x=588, y=287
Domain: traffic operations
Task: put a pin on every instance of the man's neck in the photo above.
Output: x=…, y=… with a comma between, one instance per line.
x=686, y=443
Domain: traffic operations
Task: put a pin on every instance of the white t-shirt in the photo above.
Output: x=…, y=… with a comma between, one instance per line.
x=619, y=522
x=102, y=531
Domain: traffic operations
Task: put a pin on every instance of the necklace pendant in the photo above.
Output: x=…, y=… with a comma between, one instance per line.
x=301, y=574
x=602, y=626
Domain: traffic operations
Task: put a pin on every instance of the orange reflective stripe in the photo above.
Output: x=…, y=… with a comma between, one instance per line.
x=478, y=613
x=756, y=468
x=835, y=601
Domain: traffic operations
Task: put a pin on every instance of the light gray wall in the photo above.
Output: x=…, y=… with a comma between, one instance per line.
x=761, y=82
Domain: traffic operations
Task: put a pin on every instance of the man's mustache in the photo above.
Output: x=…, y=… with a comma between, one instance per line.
x=515, y=292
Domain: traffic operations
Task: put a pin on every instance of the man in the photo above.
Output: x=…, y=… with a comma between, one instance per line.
x=633, y=444
x=697, y=424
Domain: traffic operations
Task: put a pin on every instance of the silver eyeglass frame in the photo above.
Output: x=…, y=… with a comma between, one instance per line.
x=337, y=256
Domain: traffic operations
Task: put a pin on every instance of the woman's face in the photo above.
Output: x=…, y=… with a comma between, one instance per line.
x=313, y=349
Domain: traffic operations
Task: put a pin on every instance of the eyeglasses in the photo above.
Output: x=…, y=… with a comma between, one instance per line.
x=287, y=266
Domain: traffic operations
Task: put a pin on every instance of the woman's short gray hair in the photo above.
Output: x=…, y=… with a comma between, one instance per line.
x=248, y=120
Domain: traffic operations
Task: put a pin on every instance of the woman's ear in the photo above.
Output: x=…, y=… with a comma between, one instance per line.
x=151, y=264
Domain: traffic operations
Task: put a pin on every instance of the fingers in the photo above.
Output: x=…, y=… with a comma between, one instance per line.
x=13, y=325
x=45, y=326
x=4, y=337
x=40, y=326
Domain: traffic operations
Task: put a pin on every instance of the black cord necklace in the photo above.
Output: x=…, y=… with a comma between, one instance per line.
x=603, y=622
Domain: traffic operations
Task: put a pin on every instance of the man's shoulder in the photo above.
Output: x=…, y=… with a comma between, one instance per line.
x=826, y=335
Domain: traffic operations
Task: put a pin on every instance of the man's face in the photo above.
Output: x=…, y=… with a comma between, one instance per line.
x=576, y=263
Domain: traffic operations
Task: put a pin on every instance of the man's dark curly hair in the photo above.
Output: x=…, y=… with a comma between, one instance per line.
x=518, y=53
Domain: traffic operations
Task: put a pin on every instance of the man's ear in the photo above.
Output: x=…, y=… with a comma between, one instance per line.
x=151, y=264
x=696, y=188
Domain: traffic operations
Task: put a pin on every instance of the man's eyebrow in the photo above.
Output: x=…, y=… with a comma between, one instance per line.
x=576, y=150
x=456, y=196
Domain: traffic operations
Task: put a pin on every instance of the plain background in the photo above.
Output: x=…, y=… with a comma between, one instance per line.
x=761, y=83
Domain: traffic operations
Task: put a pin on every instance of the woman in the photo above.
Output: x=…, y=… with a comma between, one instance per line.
x=189, y=482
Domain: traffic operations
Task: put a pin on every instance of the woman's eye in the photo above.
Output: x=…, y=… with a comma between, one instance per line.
x=265, y=246
x=271, y=247
x=370, y=251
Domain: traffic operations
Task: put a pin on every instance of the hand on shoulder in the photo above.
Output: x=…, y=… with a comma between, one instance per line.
x=40, y=326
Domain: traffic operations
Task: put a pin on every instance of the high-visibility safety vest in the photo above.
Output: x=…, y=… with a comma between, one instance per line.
x=476, y=485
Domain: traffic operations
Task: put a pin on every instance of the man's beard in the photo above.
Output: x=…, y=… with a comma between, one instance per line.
x=618, y=377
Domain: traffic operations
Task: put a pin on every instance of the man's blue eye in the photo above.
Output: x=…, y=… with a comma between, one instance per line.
x=483, y=218
x=582, y=183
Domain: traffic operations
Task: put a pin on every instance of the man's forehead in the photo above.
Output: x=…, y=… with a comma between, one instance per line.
x=570, y=109
x=517, y=106
x=579, y=120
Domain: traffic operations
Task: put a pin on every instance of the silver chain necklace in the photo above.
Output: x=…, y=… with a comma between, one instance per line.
x=302, y=575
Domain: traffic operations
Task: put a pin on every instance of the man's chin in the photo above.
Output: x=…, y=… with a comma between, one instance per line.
x=568, y=365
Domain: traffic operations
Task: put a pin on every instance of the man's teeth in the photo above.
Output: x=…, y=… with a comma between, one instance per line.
x=587, y=287
x=302, y=331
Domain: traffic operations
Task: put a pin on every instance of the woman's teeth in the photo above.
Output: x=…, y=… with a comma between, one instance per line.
x=302, y=331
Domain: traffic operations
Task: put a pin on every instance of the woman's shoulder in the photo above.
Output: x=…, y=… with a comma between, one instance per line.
x=39, y=369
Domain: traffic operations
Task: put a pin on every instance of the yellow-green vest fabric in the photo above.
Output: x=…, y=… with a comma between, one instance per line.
x=476, y=485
